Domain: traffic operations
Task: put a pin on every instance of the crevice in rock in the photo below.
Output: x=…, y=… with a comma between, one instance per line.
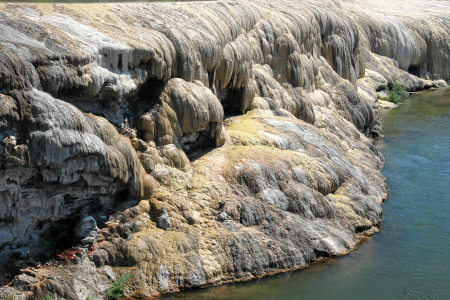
x=122, y=201
x=363, y=228
x=200, y=139
x=321, y=254
x=414, y=70
x=231, y=101
x=150, y=134
x=106, y=104
x=119, y=64
x=56, y=231
x=57, y=236
x=144, y=99
x=211, y=78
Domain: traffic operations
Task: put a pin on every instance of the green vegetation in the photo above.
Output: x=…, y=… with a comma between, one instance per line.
x=47, y=297
x=89, y=298
x=68, y=199
x=10, y=297
x=116, y=289
x=395, y=92
x=8, y=220
x=48, y=242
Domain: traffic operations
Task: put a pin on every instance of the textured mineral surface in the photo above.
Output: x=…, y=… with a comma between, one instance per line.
x=194, y=144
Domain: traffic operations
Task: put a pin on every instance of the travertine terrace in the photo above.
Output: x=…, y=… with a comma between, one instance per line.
x=193, y=144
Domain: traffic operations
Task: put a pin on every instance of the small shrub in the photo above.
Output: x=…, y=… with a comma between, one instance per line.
x=8, y=220
x=116, y=289
x=48, y=242
x=68, y=199
x=396, y=92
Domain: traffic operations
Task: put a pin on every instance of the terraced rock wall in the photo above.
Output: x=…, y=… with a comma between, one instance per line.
x=193, y=144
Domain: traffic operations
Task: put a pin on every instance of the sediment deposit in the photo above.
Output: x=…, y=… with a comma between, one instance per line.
x=193, y=144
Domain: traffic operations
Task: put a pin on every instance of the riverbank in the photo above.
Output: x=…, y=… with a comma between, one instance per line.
x=396, y=262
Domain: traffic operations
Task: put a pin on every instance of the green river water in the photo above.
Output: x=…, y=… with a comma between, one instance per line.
x=407, y=259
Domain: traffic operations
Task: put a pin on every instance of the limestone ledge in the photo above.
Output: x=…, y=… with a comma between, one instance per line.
x=211, y=142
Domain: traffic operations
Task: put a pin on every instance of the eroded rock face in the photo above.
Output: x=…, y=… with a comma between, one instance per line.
x=225, y=140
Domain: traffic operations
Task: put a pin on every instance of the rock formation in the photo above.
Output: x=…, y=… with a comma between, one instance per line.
x=193, y=144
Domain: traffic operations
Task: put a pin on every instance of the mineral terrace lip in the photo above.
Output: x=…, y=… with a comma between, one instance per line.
x=148, y=148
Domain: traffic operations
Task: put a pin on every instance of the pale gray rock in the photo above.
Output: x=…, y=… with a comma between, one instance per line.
x=87, y=227
x=109, y=272
x=163, y=277
x=383, y=94
x=387, y=104
x=23, y=282
x=88, y=242
x=163, y=220
x=222, y=217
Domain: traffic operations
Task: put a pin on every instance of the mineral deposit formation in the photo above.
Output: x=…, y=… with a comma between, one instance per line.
x=198, y=143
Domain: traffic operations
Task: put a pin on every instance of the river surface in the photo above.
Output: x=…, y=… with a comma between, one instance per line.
x=408, y=258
